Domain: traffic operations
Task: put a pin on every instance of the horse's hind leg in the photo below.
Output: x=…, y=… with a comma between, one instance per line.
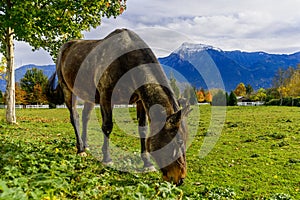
x=70, y=100
x=86, y=112
x=107, y=126
x=141, y=116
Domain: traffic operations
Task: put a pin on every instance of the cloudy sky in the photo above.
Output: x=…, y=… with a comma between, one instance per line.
x=272, y=26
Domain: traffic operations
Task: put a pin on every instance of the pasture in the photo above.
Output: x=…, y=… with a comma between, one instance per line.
x=257, y=156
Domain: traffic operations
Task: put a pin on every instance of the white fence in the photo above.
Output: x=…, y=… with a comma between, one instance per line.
x=27, y=106
x=256, y=103
x=64, y=106
x=98, y=106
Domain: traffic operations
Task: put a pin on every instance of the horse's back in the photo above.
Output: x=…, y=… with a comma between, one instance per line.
x=93, y=56
x=91, y=66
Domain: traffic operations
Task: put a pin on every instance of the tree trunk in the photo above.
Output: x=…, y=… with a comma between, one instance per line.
x=281, y=99
x=10, y=88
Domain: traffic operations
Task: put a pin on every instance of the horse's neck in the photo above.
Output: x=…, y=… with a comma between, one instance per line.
x=157, y=95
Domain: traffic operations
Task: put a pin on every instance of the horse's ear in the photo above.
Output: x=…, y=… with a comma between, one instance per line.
x=175, y=118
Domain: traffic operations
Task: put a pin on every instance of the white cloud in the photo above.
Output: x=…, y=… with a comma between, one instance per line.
x=249, y=25
x=24, y=55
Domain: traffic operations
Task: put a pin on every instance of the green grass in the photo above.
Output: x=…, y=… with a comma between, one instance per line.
x=257, y=156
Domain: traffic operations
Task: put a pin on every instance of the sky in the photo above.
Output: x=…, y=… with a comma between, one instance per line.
x=272, y=26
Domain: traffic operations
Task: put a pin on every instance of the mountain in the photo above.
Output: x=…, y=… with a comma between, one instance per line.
x=20, y=72
x=209, y=67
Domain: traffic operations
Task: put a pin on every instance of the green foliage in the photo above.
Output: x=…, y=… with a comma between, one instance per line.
x=7, y=193
x=272, y=93
x=50, y=23
x=280, y=197
x=288, y=101
x=256, y=157
x=31, y=78
x=34, y=84
x=1, y=97
x=249, y=89
x=232, y=100
x=260, y=95
x=221, y=193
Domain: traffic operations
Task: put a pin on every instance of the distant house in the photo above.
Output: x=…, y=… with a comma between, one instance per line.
x=244, y=101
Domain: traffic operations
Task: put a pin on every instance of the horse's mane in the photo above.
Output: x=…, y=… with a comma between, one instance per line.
x=172, y=98
x=167, y=90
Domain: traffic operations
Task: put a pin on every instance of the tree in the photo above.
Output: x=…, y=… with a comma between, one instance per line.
x=260, y=95
x=240, y=90
x=1, y=97
x=174, y=85
x=208, y=97
x=272, y=93
x=249, y=90
x=39, y=96
x=232, y=100
x=46, y=24
x=20, y=95
x=190, y=94
x=200, y=96
x=34, y=83
x=2, y=68
x=219, y=99
x=227, y=98
x=31, y=78
x=281, y=81
x=294, y=84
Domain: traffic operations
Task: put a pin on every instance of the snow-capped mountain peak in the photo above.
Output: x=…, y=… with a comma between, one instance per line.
x=187, y=47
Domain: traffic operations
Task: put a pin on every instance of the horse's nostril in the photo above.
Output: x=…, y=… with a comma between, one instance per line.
x=180, y=182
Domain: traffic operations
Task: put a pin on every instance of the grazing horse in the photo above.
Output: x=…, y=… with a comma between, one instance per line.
x=121, y=68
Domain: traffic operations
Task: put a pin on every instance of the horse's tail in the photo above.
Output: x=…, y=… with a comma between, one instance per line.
x=54, y=91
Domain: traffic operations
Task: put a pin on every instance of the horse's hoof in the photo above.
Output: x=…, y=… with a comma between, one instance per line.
x=82, y=154
x=108, y=164
x=149, y=169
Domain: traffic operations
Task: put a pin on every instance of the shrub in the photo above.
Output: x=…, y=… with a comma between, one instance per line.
x=287, y=101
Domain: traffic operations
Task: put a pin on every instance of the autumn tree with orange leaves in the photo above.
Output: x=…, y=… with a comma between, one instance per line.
x=20, y=95
x=204, y=96
x=240, y=90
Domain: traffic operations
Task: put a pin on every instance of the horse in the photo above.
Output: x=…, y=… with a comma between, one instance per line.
x=121, y=68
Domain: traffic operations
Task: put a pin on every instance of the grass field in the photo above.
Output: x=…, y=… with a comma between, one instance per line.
x=257, y=156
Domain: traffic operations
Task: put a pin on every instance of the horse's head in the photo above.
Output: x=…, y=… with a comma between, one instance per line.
x=167, y=145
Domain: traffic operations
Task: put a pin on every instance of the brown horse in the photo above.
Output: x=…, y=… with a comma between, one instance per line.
x=121, y=68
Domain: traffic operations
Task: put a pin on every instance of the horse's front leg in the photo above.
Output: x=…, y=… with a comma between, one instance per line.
x=70, y=101
x=107, y=126
x=86, y=112
x=143, y=129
